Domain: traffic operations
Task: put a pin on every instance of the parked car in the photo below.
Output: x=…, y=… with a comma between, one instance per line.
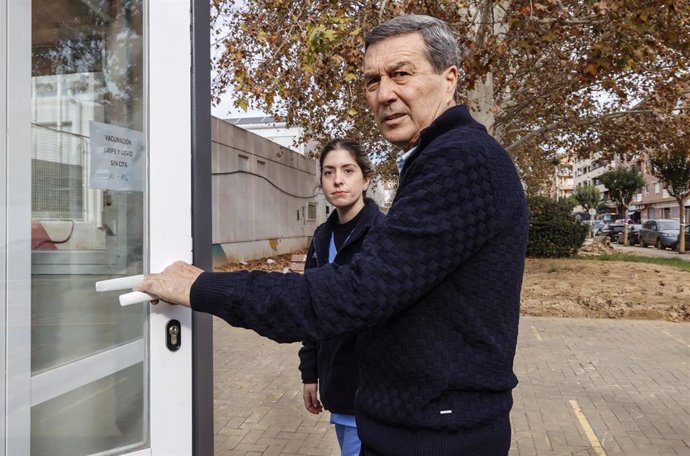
x=633, y=234
x=661, y=233
x=593, y=225
x=611, y=230
x=597, y=225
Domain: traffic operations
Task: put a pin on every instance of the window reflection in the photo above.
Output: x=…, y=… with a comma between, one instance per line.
x=88, y=181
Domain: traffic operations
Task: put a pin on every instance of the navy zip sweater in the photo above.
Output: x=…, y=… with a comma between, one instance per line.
x=435, y=292
x=333, y=361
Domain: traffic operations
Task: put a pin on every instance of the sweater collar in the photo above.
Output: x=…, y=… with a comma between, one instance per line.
x=369, y=212
x=454, y=117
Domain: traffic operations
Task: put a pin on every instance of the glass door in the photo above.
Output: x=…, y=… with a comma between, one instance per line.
x=83, y=112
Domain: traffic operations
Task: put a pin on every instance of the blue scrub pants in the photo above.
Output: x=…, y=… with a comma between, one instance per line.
x=348, y=440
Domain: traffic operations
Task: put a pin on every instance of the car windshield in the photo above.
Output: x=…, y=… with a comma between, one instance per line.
x=669, y=225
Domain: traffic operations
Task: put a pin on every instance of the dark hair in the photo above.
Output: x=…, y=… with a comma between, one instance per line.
x=355, y=150
x=442, y=49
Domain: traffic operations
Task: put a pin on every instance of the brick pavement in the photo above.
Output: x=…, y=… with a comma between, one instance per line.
x=587, y=387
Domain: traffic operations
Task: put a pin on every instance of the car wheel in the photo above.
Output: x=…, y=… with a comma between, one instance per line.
x=658, y=245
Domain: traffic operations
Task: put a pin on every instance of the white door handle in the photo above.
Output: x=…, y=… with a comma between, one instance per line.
x=126, y=283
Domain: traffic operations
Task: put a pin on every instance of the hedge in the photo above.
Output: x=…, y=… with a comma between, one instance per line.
x=552, y=231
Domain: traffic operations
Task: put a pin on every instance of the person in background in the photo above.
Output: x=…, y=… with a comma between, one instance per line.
x=435, y=289
x=329, y=366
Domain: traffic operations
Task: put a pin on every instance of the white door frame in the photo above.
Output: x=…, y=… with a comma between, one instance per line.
x=3, y=204
x=169, y=54
x=18, y=237
x=168, y=231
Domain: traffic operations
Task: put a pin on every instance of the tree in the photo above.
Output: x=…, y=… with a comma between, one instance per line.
x=543, y=75
x=587, y=196
x=673, y=170
x=622, y=184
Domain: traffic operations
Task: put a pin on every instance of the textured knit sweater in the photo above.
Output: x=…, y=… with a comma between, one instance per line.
x=435, y=293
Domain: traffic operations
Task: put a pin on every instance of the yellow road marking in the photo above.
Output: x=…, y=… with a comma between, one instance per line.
x=591, y=436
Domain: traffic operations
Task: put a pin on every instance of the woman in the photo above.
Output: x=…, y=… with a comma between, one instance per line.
x=330, y=365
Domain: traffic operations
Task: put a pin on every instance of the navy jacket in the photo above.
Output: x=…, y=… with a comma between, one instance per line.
x=435, y=290
x=333, y=361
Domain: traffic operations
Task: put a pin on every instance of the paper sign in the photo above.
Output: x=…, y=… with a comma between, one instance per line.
x=117, y=157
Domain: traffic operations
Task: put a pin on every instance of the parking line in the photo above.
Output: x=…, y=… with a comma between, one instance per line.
x=591, y=436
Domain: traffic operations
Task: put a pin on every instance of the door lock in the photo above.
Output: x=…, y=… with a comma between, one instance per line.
x=173, y=335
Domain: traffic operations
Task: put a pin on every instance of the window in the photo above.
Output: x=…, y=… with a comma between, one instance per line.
x=311, y=211
x=243, y=162
x=656, y=188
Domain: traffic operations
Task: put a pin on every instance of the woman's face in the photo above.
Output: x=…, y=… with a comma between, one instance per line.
x=342, y=180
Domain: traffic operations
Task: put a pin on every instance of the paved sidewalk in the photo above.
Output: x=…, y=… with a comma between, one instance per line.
x=587, y=387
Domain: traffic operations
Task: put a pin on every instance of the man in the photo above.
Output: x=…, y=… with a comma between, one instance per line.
x=435, y=290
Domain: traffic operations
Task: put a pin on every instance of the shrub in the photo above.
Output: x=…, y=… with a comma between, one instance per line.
x=552, y=231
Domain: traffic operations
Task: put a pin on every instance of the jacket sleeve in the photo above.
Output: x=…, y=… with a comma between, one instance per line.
x=308, y=362
x=444, y=213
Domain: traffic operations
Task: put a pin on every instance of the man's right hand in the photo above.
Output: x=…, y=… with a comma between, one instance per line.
x=311, y=401
x=173, y=285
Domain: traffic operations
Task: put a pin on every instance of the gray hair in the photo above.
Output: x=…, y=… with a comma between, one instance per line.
x=442, y=49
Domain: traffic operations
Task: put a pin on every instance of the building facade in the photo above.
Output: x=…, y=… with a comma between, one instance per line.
x=652, y=202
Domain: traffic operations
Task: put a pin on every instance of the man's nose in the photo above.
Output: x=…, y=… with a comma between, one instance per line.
x=386, y=91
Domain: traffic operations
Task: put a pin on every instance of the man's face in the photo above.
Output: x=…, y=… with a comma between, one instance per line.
x=402, y=89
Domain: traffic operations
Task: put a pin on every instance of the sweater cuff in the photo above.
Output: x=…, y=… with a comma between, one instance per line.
x=207, y=292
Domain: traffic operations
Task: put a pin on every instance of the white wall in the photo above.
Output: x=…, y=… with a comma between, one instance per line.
x=259, y=188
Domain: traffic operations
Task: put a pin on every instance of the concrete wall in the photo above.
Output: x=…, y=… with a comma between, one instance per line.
x=261, y=196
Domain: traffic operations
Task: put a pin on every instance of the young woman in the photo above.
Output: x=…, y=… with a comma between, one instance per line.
x=329, y=366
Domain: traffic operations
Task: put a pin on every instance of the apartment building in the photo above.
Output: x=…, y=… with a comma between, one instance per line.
x=655, y=202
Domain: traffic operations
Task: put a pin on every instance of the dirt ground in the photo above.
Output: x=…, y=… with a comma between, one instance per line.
x=605, y=289
x=583, y=288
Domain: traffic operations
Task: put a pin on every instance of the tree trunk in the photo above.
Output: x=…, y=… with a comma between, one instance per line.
x=625, y=227
x=681, y=218
x=489, y=21
x=480, y=101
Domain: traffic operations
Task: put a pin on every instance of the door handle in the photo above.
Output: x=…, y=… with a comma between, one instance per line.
x=126, y=283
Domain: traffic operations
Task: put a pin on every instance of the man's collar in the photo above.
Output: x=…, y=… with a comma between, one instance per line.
x=402, y=158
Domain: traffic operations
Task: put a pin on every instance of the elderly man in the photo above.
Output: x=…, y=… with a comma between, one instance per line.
x=435, y=291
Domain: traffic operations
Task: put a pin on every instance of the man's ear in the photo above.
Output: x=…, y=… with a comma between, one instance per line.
x=451, y=77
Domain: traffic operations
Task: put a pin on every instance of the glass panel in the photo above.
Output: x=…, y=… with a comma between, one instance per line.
x=87, y=200
x=105, y=416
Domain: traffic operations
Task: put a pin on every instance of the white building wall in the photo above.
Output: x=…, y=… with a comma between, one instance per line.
x=262, y=193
